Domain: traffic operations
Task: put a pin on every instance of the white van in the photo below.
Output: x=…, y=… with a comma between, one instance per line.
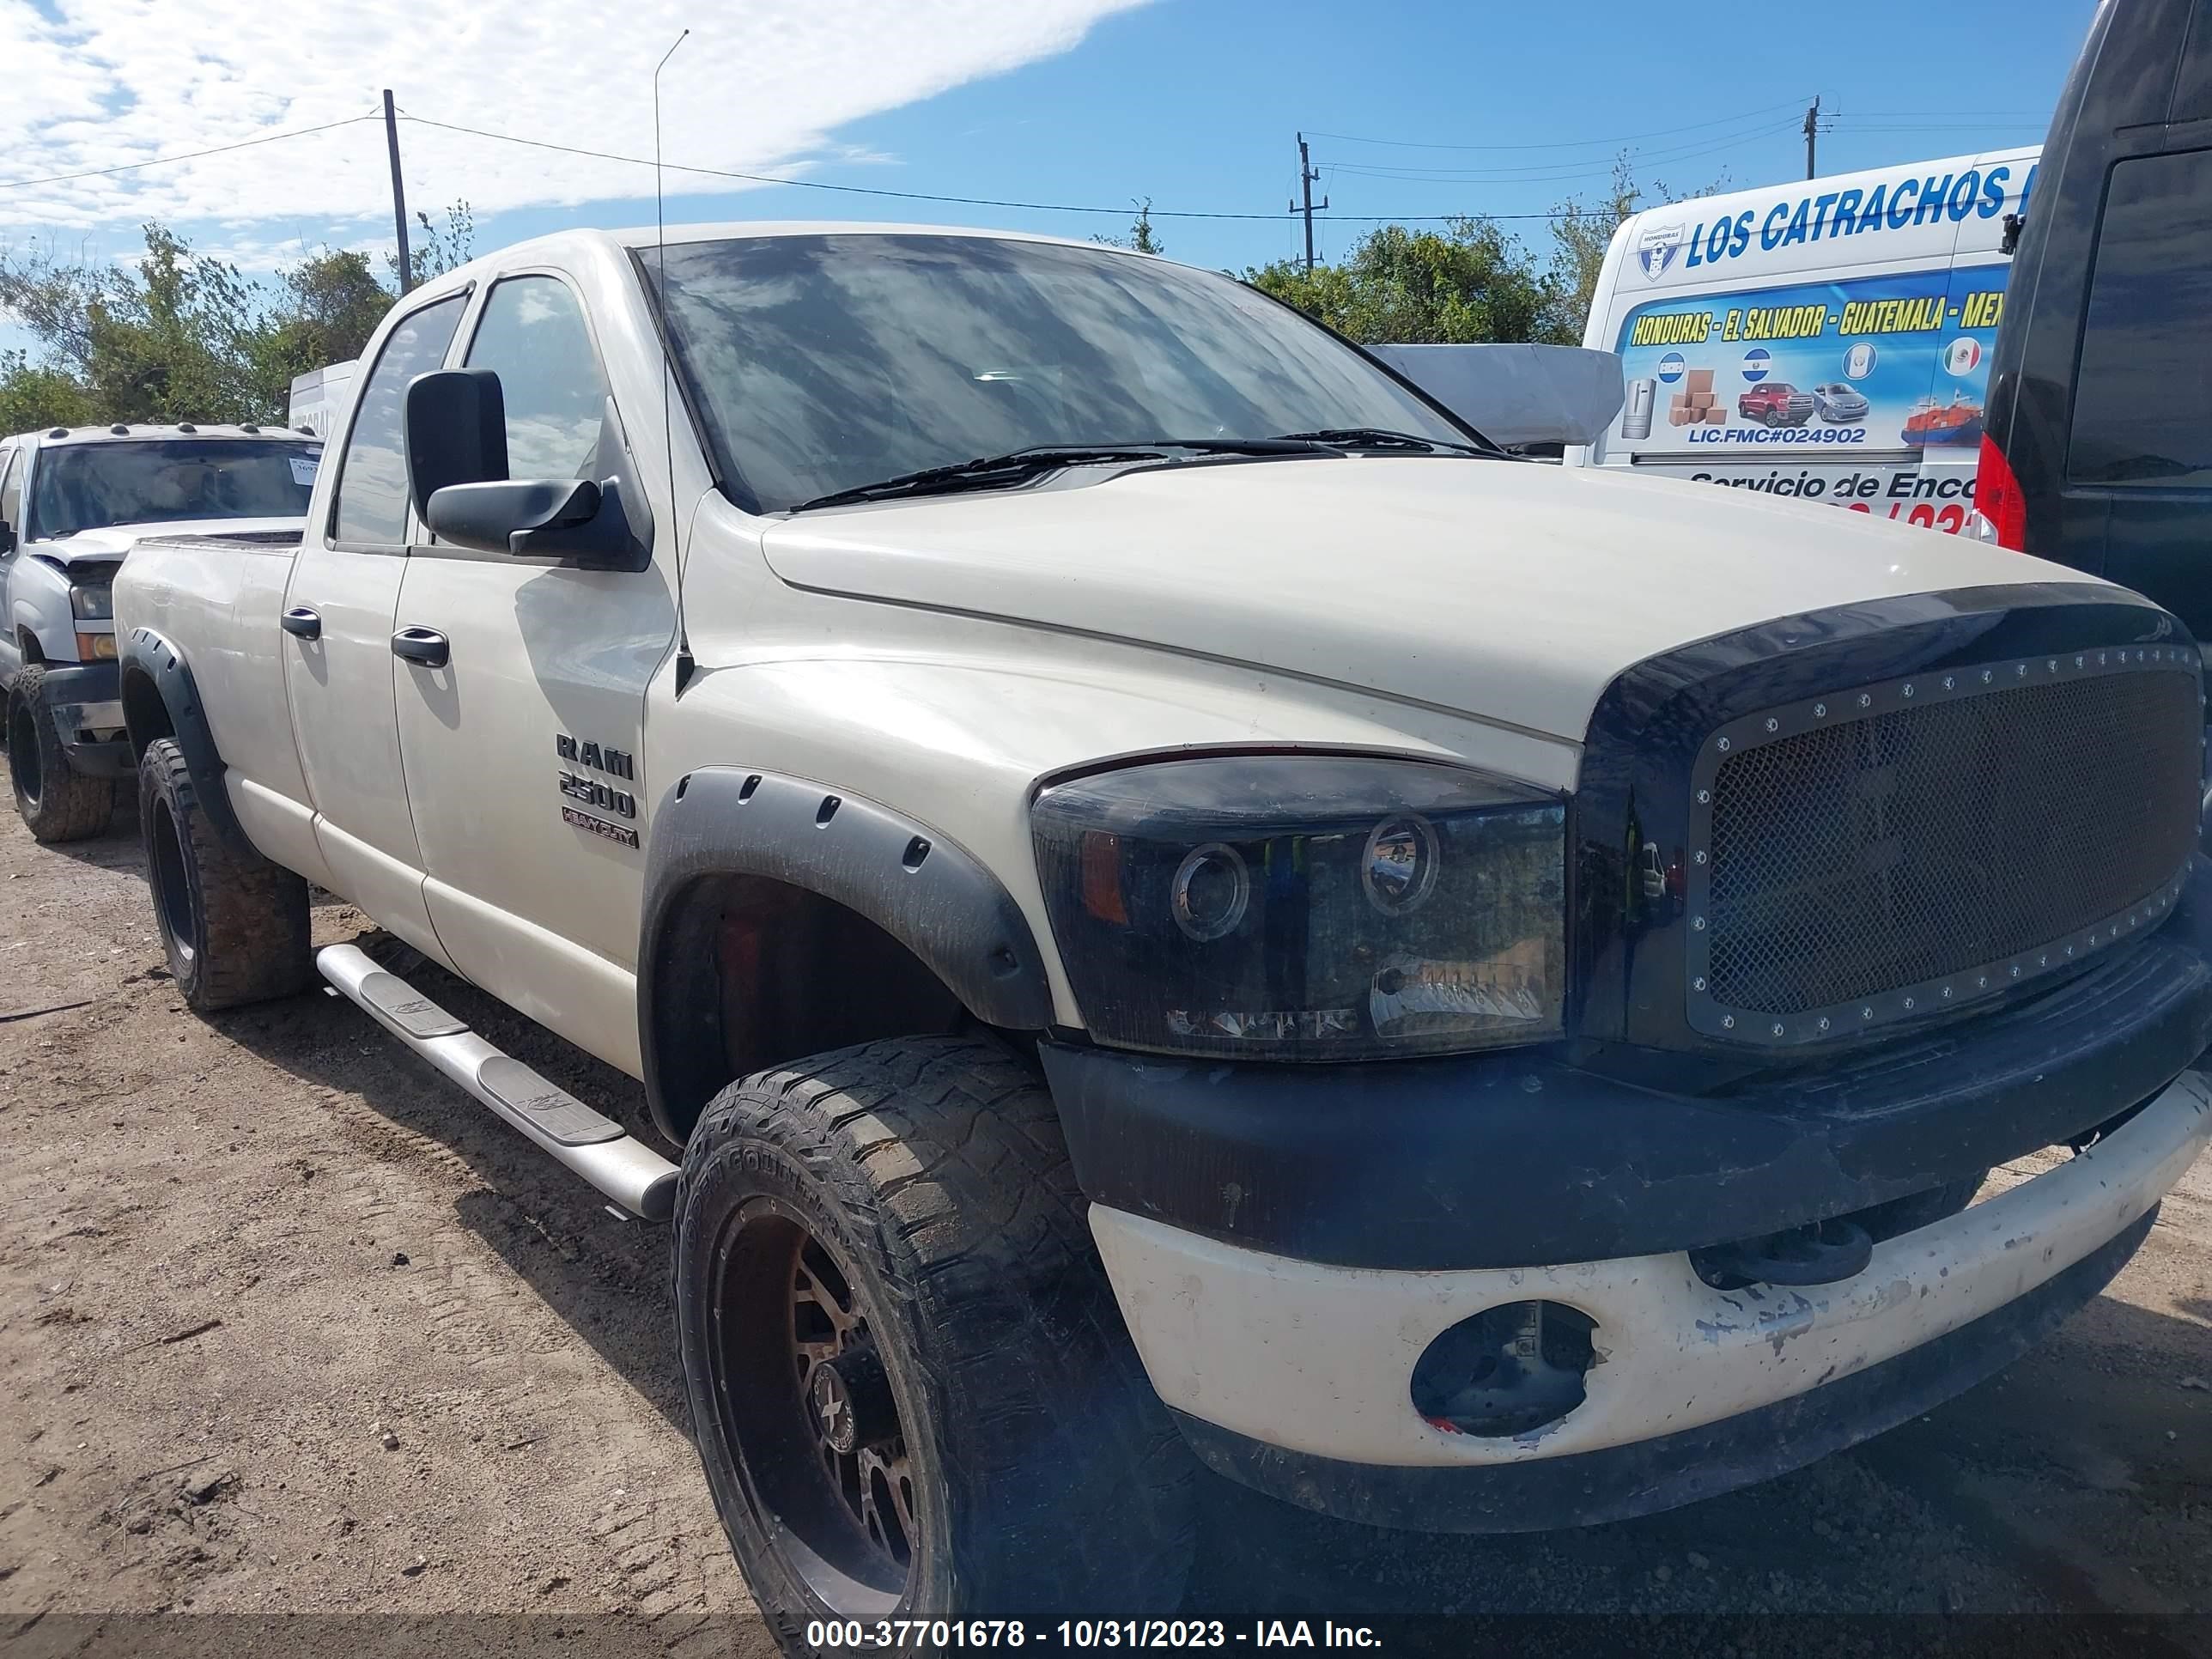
x=1829, y=339
x=319, y=398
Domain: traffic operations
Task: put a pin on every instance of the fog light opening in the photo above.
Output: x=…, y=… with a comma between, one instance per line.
x=1510, y=1369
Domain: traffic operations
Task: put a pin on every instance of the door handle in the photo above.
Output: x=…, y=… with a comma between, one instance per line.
x=303, y=623
x=424, y=645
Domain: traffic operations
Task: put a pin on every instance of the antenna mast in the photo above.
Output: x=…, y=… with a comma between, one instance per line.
x=668, y=370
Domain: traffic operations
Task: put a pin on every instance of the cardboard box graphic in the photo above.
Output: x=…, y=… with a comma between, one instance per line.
x=1715, y=416
x=1695, y=380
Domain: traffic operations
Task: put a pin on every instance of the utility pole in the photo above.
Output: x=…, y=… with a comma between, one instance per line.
x=399, y=193
x=1307, y=174
x=1812, y=133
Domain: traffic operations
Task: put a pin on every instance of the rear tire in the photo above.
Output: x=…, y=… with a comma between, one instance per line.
x=234, y=925
x=904, y=1215
x=56, y=802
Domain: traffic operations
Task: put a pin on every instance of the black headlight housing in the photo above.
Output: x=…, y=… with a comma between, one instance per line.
x=1307, y=906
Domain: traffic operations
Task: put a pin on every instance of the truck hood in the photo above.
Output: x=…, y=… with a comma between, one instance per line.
x=1510, y=592
x=106, y=546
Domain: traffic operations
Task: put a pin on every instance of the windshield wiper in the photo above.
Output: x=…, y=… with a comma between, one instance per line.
x=1377, y=437
x=1001, y=472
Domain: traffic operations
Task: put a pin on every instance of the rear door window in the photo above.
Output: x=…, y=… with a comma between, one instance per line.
x=372, y=503
x=2142, y=397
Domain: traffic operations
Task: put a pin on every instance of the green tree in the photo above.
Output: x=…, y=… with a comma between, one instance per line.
x=329, y=305
x=32, y=395
x=1469, y=282
x=433, y=250
x=1581, y=233
x=1141, y=238
x=174, y=345
x=182, y=336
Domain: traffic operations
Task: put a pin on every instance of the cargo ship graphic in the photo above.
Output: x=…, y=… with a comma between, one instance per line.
x=1959, y=422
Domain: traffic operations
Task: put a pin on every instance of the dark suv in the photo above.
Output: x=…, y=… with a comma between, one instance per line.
x=1775, y=403
x=2098, y=450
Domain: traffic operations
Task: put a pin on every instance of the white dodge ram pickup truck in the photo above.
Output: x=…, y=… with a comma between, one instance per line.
x=73, y=499
x=1181, y=909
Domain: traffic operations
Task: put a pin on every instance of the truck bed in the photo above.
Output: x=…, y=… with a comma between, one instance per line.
x=224, y=593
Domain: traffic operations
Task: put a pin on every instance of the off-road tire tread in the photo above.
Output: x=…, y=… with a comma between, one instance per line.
x=71, y=806
x=947, y=1154
x=255, y=942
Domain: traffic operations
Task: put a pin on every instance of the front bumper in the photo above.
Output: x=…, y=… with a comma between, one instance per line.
x=1295, y=1376
x=86, y=700
x=1504, y=1159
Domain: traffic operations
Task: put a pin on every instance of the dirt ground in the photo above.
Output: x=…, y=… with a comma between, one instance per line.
x=290, y=1325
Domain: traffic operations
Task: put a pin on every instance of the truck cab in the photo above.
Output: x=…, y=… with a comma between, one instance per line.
x=72, y=502
x=1176, y=909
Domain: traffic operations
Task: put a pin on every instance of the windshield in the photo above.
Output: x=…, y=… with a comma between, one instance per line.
x=89, y=486
x=819, y=363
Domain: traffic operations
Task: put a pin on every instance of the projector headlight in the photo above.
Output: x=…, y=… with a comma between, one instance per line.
x=1293, y=907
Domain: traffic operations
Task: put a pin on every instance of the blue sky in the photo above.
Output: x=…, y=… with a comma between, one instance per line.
x=1193, y=103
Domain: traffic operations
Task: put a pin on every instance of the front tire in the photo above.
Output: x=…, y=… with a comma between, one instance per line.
x=56, y=803
x=234, y=925
x=908, y=1380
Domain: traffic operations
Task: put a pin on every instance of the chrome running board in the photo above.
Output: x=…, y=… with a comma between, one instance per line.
x=638, y=1179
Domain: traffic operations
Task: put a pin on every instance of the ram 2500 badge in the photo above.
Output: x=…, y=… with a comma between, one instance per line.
x=72, y=502
x=1241, y=928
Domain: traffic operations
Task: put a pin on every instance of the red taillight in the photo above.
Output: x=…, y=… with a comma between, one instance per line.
x=1998, y=497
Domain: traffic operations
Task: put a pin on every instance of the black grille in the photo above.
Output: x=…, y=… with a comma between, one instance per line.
x=1952, y=836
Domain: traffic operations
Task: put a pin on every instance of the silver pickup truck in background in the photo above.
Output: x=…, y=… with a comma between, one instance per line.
x=73, y=500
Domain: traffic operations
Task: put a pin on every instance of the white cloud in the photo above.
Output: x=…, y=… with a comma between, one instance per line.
x=760, y=86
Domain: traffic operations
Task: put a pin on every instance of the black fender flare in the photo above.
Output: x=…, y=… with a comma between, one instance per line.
x=927, y=892
x=147, y=654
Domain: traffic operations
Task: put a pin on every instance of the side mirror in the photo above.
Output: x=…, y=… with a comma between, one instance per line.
x=549, y=520
x=456, y=423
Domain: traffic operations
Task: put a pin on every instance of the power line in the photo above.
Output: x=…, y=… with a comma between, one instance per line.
x=798, y=183
x=1566, y=143
x=1552, y=171
x=1947, y=126
x=189, y=155
x=1948, y=114
x=957, y=201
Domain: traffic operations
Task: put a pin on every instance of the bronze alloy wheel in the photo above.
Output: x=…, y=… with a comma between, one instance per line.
x=805, y=1397
x=911, y=1386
